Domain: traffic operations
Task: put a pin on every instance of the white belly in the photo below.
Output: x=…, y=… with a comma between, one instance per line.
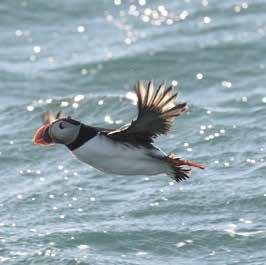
x=117, y=158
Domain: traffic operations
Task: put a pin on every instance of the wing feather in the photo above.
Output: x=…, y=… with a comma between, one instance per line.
x=156, y=113
x=166, y=95
x=140, y=91
x=158, y=94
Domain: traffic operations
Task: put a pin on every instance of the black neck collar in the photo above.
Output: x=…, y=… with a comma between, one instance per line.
x=85, y=134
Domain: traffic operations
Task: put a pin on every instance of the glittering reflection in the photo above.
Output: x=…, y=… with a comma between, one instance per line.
x=244, y=99
x=184, y=243
x=33, y=58
x=37, y=49
x=239, y=8
x=108, y=119
x=100, y=102
x=51, y=60
x=83, y=247
x=64, y=104
x=117, y=2
x=147, y=14
x=19, y=33
x=215, y=133
x=246, y=221
x=142, y=2
x=251, y=233
x=30, y=108
x=174, y=83
x=132, y=96
x=84, y=71
x=204, y=3
x=81, y=29
x=206, y=20
x=78, y=98
x=231, y=230
x=226, y=84
x=199, y=76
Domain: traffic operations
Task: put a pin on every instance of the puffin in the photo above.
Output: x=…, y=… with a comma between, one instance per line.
x=129, y=150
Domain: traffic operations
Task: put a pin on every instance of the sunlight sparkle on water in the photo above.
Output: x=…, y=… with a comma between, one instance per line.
x=37, y=49
x=51, y=60
x=78, y=98
x=64, y=104
x=117, y=2
x=226, y=164
x=142, y=2
x=174, y=83
x=206, y=20
x=245, y=5
x=204, y=3
x=244, y=99
x=132, y=96
x=226, y=84
x=19, y=33
x=108, y=119
x=237, y=8
x=84, y=71
x=183, y=243
x=83, y=247
x=33, y=58
x=30, y=108
x=80, y=29
x=199, y=76
x=75, y=105
x=184, y=15
x=100, y=102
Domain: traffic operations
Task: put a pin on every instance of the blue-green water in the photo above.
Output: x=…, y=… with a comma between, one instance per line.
x=56, y=210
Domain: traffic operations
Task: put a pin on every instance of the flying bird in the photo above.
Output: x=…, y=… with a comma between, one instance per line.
x=129, y=150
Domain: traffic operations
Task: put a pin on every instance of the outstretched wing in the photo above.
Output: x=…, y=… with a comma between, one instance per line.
x=156, y=113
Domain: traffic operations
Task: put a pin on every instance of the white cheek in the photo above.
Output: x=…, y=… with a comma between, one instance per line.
x=64, y=135
x=56, y=133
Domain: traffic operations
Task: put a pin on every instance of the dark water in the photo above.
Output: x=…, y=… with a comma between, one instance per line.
x=84, y=57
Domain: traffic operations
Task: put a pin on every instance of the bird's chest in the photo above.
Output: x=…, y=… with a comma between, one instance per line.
x=118, y=158
x=96, y=149
x=106, y=155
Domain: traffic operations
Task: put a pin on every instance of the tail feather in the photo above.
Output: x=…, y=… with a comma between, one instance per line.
x=177, y=171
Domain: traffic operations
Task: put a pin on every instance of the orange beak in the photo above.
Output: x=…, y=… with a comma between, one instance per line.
x=42, y=136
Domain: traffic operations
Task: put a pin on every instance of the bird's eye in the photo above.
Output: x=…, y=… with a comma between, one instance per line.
x=61, y=126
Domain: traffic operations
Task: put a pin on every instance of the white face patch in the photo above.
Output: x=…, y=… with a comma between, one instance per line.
x=64, y=132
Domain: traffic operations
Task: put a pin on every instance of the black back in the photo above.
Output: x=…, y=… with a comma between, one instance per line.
x=85, y=134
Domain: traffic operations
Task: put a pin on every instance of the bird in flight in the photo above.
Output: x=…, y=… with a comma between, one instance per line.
x=129, y=150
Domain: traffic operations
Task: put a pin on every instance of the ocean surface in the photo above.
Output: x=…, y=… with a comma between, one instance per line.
x=84, y=57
